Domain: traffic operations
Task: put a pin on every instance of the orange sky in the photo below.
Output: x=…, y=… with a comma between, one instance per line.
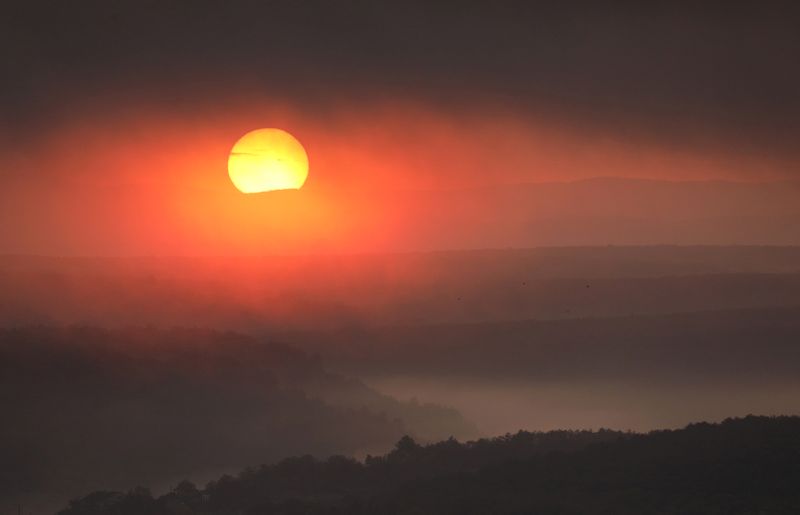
x=147, y=182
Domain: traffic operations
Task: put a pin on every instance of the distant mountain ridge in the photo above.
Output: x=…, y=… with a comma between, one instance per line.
x=595, y=212
x=368, y=290
x=727, y=346
x=607, y=210
x=637, y=371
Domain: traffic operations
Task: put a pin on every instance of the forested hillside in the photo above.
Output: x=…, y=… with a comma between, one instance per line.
x=741, y=466
x=89, y=408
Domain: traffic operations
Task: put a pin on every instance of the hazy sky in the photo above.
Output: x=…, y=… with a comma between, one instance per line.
x=693, y=74
x=123, y=113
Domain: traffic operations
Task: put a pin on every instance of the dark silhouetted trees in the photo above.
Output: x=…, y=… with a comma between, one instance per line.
x=741, y=466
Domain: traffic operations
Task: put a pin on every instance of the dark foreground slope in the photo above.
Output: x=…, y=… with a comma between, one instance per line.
x=741, y=466
x=88, y=408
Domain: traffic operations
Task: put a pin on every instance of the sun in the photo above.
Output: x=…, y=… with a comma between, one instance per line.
x=267, y=160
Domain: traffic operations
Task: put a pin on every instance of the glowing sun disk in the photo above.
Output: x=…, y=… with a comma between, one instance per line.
x=266, y=160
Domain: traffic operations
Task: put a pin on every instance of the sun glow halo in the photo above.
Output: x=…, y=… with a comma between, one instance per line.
x=266, y=160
